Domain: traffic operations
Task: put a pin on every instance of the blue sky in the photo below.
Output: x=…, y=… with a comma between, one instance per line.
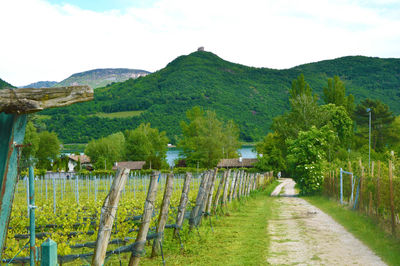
x=104, y=5
x=51, y=40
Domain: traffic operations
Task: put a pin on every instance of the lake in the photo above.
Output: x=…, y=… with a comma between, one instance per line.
x=246, y=151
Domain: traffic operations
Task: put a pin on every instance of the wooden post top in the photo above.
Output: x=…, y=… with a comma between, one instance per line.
x=30, y=100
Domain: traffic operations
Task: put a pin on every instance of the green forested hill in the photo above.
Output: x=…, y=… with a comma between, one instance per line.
x=4, y=84
x=250, y=96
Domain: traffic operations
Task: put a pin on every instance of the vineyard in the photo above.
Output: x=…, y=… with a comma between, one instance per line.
x=374, y=192
x=68, y=210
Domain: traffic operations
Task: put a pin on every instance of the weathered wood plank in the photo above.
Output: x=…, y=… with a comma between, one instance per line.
x=108, y=212
x=29, y=100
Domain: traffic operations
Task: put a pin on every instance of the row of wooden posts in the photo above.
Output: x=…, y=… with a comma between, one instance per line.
x=240, y=185
x=366, y=201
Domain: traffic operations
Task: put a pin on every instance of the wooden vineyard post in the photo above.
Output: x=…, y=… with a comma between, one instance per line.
x=392, y=197
x=193, y=221
x=370, y=204
x=144, y=227
x=211, y=192
x=107, y=215
x=182, y=204
x=226, y=187
x=233, y=184
x=239, y=194
x=219, y=190
x=162, y=219
x=378, y=195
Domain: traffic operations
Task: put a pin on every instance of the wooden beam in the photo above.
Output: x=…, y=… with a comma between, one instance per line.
x=30, y=100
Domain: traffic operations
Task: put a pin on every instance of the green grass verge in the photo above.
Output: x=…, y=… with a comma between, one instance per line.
x=239, y=237
x=362, y=227
x=119, y=114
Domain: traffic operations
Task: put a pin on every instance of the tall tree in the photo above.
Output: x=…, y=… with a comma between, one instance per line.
x=147, y=144
x=304, y=111
x=381, y=122
x=49, y=149
x=104, y=152
x=206, y=139
x=335, y=93
x=29, y=152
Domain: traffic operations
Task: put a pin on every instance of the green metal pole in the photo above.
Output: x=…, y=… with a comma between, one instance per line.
x=32, y=215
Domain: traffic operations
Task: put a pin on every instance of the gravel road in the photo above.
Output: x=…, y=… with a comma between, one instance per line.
x=302, y=234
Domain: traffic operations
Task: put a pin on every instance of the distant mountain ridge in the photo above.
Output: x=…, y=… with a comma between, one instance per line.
x=250, y=96
x=40, y=84
x=102, y=77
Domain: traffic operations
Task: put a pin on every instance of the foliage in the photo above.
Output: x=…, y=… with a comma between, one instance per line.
x=29, y=152
x=5, y=85
x=335, y=93
x=147, y=144
x=206, y=139
x=49, y=148
x=105, y=151
x=272, y=155
x=381, y=123
x=338, y=119
x=306, y=155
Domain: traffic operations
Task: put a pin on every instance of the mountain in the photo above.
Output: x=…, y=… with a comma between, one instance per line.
x=101, y=77
x=40, y=84
x=250, y=96
x=4, y=84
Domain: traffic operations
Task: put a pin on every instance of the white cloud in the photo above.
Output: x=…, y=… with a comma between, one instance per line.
x=41, y=41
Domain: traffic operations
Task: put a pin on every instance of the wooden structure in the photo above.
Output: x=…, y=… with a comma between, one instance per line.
x=131, y=165
x=15, y=104
x=237, y=163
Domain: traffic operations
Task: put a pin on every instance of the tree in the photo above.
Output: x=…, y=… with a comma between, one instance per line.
x=29, y=152
x=306, y=155
x=147, y=144
x=206, y=139
x=49, y=149
x=304, y=111
x=381, y=122
x=271, y=155
x=104, y=152
x=335, y=93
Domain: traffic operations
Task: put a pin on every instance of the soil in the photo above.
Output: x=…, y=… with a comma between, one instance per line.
x=302, y=234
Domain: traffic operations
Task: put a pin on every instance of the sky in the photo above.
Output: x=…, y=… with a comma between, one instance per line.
x=51, y=40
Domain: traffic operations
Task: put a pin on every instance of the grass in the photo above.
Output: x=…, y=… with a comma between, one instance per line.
x=362, y=227
x=75, y=147
x=239, y=237
x=124, y=114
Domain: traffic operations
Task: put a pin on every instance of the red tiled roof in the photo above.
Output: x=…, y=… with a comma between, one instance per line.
x=246, y=162
x=132, y=165
x=83, y=158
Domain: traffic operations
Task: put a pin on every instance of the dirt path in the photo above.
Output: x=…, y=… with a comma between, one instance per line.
x=301, y=234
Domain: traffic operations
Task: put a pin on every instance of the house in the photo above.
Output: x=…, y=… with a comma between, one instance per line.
x=131, y=165
x=237, y=163
x=75, y=160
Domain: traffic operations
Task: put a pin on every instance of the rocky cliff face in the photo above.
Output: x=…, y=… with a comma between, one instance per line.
x=102, y=77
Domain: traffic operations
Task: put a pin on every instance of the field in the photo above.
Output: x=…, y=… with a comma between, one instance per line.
x=68, y=211
x=124, y=114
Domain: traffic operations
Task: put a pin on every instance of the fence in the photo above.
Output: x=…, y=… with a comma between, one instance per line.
x=69, y=210
x=374, y=192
